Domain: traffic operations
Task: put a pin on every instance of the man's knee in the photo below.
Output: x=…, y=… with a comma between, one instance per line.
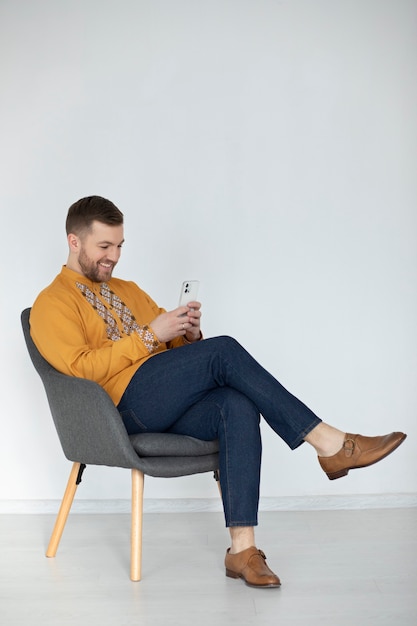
x=225, y=343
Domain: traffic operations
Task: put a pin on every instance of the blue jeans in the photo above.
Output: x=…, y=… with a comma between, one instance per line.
x=214, y=389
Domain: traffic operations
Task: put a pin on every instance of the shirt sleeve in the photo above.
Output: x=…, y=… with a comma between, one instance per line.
x=72, y=342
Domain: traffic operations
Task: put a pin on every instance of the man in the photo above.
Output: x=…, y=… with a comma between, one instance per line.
x=163, y=377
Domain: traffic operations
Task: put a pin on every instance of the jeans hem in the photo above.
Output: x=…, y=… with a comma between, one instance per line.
x=300, y=438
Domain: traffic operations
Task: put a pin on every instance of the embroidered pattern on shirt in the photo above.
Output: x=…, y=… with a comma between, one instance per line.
x=129, y=323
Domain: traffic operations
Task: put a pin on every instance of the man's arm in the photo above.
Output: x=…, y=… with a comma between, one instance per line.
x=74, y=344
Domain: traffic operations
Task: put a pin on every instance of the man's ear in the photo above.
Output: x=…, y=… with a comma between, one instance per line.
x=73, y=242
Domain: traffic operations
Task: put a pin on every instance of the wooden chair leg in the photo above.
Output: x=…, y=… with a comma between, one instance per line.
x=138, y=479
x=217, y=479
x=67, y=500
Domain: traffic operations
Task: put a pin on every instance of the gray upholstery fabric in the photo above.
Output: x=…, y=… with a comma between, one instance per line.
x=91, y=431
x=166, y=444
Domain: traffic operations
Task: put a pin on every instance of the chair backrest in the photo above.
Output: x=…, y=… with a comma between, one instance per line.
x=88, y=424
x=91, y=430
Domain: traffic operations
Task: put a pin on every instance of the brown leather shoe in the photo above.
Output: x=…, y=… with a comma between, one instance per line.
x=359, y=451
x=250, y=565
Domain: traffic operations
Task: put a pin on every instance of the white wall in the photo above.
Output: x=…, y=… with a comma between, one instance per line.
x=267, y=148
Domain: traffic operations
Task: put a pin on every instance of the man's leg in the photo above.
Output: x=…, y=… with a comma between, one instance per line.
x=229, y=416
x=233, y=419
x=168, y=384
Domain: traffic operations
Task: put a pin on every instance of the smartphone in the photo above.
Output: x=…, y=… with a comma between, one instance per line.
x=189, y=291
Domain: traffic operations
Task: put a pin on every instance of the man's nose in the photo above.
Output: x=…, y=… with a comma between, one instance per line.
x=114, y=255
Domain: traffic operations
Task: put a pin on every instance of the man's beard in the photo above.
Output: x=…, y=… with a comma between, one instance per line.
x=92, y=270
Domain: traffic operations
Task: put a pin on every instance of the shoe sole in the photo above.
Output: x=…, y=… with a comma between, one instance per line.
x=231, y=574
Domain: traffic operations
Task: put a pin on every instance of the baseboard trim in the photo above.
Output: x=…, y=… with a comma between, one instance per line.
x=213, y=505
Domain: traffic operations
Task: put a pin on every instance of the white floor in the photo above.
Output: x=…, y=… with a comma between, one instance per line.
x=353, y=568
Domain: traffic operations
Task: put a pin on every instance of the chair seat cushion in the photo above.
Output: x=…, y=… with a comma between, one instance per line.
x=168, y=444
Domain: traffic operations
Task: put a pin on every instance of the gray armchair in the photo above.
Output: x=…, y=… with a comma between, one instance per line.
x=91, y=432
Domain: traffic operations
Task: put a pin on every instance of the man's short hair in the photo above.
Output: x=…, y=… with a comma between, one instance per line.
x=85, y=211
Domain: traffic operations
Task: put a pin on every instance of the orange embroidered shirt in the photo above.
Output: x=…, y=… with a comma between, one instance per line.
x=98, y=331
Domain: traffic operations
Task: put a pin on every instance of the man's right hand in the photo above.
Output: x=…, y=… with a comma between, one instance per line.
x=171, y=324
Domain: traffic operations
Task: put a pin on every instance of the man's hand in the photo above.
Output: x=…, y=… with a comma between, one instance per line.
x=185, y=320
x=193, y=332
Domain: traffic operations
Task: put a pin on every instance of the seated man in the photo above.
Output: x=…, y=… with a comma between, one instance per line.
x=163, y=377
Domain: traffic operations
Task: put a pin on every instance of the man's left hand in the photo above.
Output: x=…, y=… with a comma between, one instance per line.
x=193, y=317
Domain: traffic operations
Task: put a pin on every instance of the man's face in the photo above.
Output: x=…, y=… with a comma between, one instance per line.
x=100, y=251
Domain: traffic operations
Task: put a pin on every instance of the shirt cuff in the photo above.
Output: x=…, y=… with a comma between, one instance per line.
x=185, y=340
